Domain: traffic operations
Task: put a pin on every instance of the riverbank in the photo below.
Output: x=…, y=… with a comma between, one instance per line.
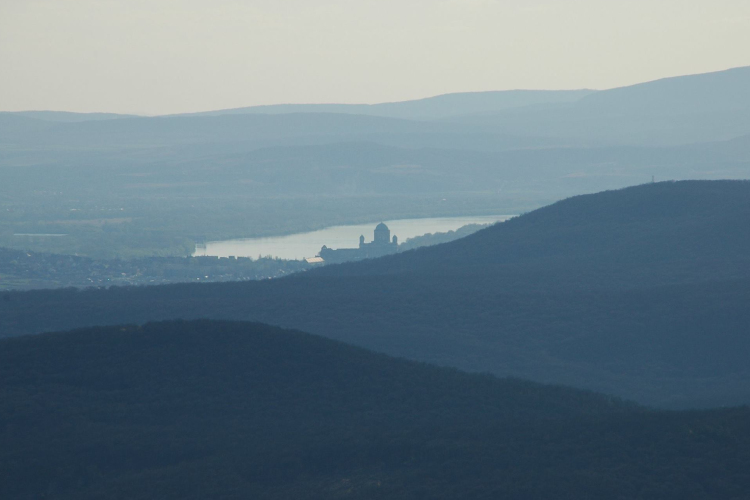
x=122, y=229
x=308, y=244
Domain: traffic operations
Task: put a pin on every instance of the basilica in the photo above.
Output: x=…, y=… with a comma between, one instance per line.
x=382, y=244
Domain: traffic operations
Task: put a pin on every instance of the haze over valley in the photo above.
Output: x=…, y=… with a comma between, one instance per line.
x=397, y=250
x=136, y=186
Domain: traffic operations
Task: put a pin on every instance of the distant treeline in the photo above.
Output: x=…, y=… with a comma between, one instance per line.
x=28, y=270
x=438, y=238
x=25, y=270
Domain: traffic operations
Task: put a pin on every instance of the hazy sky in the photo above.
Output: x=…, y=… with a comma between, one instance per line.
x=167, y=56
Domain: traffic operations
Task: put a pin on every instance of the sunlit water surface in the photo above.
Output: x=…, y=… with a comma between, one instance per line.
x=304, y=245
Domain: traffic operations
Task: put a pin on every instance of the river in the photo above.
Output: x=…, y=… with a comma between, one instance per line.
x=304, y=245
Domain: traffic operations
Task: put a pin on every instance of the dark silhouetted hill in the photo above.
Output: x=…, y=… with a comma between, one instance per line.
x=640, y=292
x=230, y=410
x=648, y=235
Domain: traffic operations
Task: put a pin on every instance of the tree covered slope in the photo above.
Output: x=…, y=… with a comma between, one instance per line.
x=653, y=234
x=641, y=293
x=230, y=410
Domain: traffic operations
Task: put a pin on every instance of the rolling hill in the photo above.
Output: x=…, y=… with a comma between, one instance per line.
x=639, y=236
x=679, y=110
x=430, y=108
x=672, y=111
x=517, y=178
x=69, y=117
x=230, y=410
x=161, y=131
x=681, y=95
x=640, y=292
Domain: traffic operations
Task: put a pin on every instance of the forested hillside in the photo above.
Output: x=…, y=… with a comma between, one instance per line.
x=230, y=410
x=463, y=249
x=641, y=292
x=649, y=235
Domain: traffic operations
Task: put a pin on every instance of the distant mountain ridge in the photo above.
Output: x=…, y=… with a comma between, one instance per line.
x=672, y=111
x=703, y=92
x=429, y=108
x=680, y=95
x=68, y=116
x=264, y=130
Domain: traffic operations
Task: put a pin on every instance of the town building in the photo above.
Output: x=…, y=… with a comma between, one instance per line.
x=382, y=244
